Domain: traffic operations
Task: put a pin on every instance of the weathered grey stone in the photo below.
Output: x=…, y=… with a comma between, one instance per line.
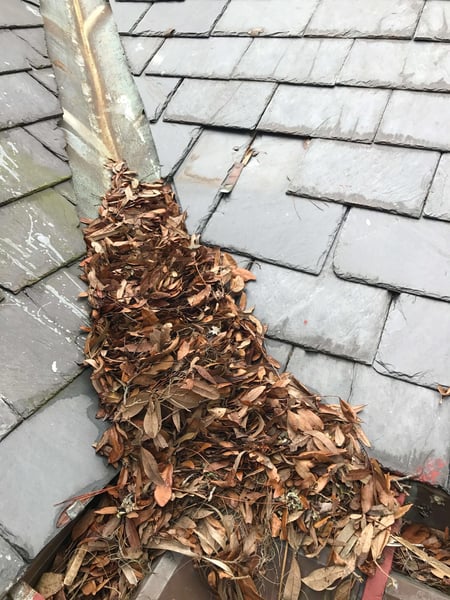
x=16, y=13
x=407, y=426
x=434, y=22
x=395, y=179
x=25, y=165
x=323, y=313
x=326, y=375
x=198, y=57
x=17, y=54
x=50, y=135
x=266, y=17
x=194, y=17
x=198, y=180
x=414, y=258
x=37, y=357
x=259, y=219
x=57, y=297
x=414, y=345
x=340, y=112
x=377, y=18
x=46, y=77
x=219, y=103
x=35, y=37
x=172, y=141
x=139, y=50
x=51, y=455
x=438, y=201
x=38, y=234
x=278, y=60
x=155, y=92
x=416, y=119
x=8, y=420
x=66, y=189
x=279, y=351
x=24, y=100
x=398, y=64
x=11, y=566
x=127, y=15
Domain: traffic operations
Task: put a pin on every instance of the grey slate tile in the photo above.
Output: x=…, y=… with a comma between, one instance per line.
x=45, y=357
x=155, y=91
x=219, y=103
x=322, y=313
x=414, y=345
x=407, y=426
x=192, y=17
x=53, y=459
x=279, y=351
x=139, y=50
x=38, y=234
x=198, y=180
x=24, y=100
x=46, y=77
x=416, y=119
x=438, y=201
x=328, y=376
x=277, y=59
x=17, y=54
x=172, y=141
x=434, y=22
x=415, y=253
x=394, y=179
x=342, y=113
x=259, y=219
x=16, y=13
x=11, y=566
x=198, y=57
x=50, y=135
x=265, y=17
x=25, y=165
x=66, y=189
x=8, y=420
x=377, y=18
x=126, y=15
x=35, y=37
x=397, y=64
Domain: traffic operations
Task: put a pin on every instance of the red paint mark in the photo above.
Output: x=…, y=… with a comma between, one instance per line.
x=432, y=471
x=22, y=591
x=305, y=322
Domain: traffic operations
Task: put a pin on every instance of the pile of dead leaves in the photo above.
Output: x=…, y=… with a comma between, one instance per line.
x=218, y=453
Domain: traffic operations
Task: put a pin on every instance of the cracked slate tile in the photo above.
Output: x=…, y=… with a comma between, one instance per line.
x=415, y=253
x=17, y=54
x=414, y=345
x=377, y=18
x=139, y=50
x=11, y=566
x=198, y=57
x=416, y=119
x=127, y=15
x=434, y=22
x=66, y=189
x=24, y=100
x=16, y=13
x=38, y=234
x=407, y=426
x=279, y=351
x=394, y=179
x=192, y=17
x=259, y=219
x=438, y=200
x=45, y=357
x=238, y=104
x=322, y=313
x=278, y=60
x=265, y=17
x=58, y=441
x=35, y=37
x=46, y=77
x=325, y=375
x=25, y=165
x=198, y=180
x=397, y=64
x=155, y=91
x=50, y=134
x=172, y=141
x=8, y=420
x=342, y=113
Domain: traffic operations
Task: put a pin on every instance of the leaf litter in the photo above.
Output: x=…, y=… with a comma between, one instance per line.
x=219, y=455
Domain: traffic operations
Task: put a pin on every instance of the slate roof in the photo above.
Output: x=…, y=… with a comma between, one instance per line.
x=344, y=211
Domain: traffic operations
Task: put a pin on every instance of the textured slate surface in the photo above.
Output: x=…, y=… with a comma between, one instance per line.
x=17, y=14
x=195, y=17
x=172, y=141
x=18, y=54
x=8, y=419
x=50, y=135
x=139, y=51
x=155, y=92
x=434, y=22
x=11, y=564
x=438, y=201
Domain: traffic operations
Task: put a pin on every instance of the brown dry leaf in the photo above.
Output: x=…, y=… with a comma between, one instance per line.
x=440, y=569
x=163, y=493
x=293, y=585
x=152, y=419
x=150, y=467
x=49, y=584
x=325, y=577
